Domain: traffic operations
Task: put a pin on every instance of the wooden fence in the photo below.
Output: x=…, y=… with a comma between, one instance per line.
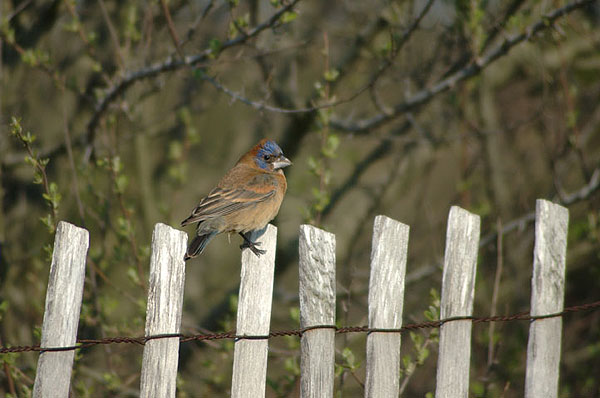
x=317, y=307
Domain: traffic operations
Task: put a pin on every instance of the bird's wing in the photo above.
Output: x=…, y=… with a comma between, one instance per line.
x=223, y=201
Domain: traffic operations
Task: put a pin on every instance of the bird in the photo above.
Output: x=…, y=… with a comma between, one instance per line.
x=246, y=199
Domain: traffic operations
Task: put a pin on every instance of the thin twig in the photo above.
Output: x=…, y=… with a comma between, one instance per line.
x=168, y=65
x=69, y=147
x=172, y=30
x=424, y=96
x=493, y=309
x=407, y=378
x=378, y=153
x=9, y=378
x=126, y=214
x=329, y=104
x=17, y=10
x=565, y=199
x=90, y=49
x=37, y=164
x=113, y=33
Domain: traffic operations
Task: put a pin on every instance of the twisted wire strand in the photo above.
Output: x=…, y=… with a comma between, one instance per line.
x=86, y=343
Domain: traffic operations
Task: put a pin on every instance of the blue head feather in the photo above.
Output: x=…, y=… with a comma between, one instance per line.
x=268, y=148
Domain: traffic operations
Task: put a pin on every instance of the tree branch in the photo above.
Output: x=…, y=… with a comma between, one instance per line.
x=473, y=69
x=169, y=65
x=373, y=79
x=564, y=199
x=171, y=27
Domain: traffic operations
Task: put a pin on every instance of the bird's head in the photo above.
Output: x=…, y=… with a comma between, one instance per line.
x=268, y=156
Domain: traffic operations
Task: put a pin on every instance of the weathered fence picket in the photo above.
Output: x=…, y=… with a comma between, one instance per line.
x=547, y=296
x=386, y=300
x=61, y=315
x=458, y=288
x=317, y=307
x=317, y=293
x=254, y=317
x=163, y=313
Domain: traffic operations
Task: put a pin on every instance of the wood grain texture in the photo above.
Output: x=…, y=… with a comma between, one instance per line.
x=317, y=307
x=163, y=312
x=458, y=288
x=547, y=297
x=254, y=317
x=386, y=299
x=61, y=314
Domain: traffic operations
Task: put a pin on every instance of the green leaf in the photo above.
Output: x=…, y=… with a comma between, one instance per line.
x=243, y=21
x=288, y=16
x=291, y=366
x=331, y=146
x=422, y=355
x=117, y=165
x=37, y=177
x=111, y=381
x=313, y=164
x=349, y=358
x=92, y=37
x=295, y=314
x=324, y=116
x=121, y=183
x=406, y=361
x=3, y=308
x=102, y=162
x=96, y=66
x=133, y=275
x=215, y=46
x=416, y=338
x=29, y=57
x=48, y=248
x=331, y=75
x=233, y=303
x=72, y=26
x=175, y=150
x=131, y=30
x=47, y=221
x=53, y=188
x=338, y=370
x=572, y=120
x=123, y=227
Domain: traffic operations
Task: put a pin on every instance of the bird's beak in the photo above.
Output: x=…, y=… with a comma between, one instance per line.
x=281, y=162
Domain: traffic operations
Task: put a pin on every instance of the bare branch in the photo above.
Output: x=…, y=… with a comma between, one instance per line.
x=382, y=68
x=23, y=5
x=378, y=153
x=172, y=30
x=565, y=199
x=169, y=65
x=259, y=106
x=584, y=192
x=113, y=33
x=473, y=69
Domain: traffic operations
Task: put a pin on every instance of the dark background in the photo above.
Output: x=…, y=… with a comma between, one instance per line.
x=135, y=136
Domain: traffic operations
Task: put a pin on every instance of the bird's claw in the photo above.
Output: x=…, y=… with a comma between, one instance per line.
x=252, y=246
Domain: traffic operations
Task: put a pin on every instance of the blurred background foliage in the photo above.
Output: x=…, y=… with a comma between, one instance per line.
x=116, y=115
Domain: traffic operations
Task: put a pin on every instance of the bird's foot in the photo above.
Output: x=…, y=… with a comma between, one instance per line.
x=251, y=245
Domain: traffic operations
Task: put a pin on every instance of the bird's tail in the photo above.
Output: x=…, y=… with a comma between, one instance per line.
x=198, y=245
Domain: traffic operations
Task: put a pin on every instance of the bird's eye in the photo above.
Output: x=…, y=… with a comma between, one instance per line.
x=267, y=157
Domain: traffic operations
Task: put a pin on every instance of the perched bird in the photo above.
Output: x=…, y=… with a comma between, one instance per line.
x=245, y=199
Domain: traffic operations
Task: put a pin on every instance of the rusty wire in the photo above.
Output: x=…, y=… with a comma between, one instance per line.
x=86, y=343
